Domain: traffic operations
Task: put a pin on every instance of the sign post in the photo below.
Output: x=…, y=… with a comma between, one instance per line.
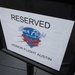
x=30, y=69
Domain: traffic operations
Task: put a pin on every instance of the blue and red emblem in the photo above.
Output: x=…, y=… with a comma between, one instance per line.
x=31, y=36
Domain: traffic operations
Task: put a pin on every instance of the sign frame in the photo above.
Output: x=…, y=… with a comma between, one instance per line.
x=25, y=59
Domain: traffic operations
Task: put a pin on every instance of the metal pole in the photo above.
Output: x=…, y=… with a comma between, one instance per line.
x=30, y=69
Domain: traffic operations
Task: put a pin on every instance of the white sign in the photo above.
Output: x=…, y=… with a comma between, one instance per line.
x=43, y=39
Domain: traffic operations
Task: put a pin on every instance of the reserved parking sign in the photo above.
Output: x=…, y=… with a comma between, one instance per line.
x=41, y=38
